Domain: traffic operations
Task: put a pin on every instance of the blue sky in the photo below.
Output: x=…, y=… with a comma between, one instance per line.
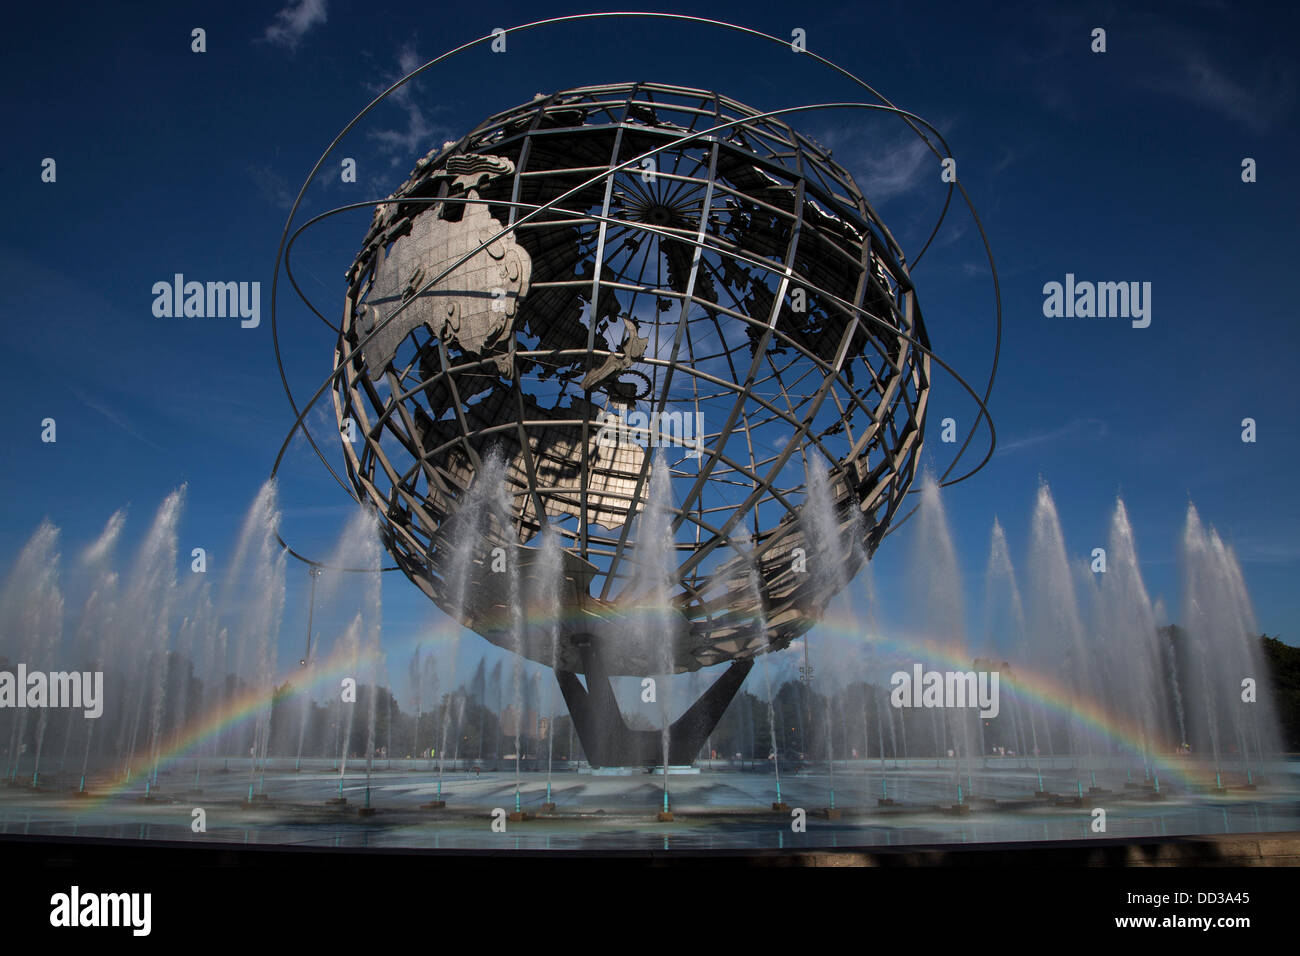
x=1120, y=166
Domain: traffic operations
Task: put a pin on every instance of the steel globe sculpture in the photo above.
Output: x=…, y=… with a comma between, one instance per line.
x=608, y=295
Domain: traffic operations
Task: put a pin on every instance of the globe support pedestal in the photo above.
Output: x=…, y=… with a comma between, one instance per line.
x=606, y=737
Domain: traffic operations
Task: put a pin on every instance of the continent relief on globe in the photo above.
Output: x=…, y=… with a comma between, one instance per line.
x=473, y=306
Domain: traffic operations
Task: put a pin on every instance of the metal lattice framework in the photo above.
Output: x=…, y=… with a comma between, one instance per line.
x=609, y=269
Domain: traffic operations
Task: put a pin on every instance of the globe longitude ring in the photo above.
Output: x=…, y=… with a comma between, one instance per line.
x=636, y=380
x=731, y=272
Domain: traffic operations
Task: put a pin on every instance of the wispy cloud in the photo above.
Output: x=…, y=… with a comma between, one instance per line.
x=1259, y=104
x=896, y=169
x=1257, y=550
x=324, y=430
x=884, y=166
x=1008, y=157
x=274, y=188
x=1080, y=429
x=1036, y=46
x=292, y=23
x=117, y=418
x=405, y=144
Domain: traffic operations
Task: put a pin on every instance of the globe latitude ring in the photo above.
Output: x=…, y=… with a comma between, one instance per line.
x=501, y=289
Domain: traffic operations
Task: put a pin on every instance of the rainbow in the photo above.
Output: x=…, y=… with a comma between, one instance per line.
x=1051, y=695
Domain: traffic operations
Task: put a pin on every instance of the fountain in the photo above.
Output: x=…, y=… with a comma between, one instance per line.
x=97, y=618
x=831, y=565
x=934, y=583
x=1224, y=656
x=547, y=604
x=654, y=554
x=32, y=605
x=1174, y=724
